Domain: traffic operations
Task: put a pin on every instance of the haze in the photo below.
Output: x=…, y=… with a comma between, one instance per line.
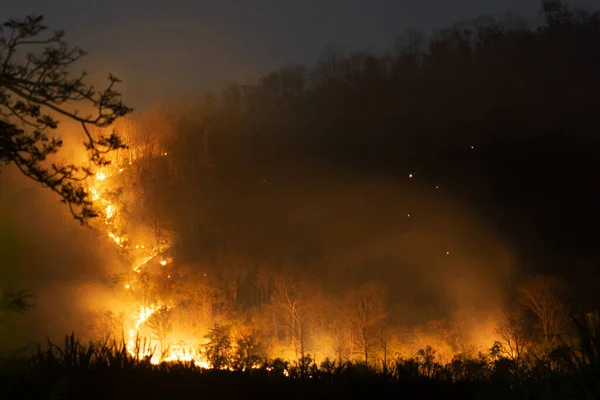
x=163, y=48
x=411, y=182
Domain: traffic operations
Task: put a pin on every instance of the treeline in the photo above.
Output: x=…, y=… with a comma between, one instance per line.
x=106, y=370
x=268, y=313
x=497, y=111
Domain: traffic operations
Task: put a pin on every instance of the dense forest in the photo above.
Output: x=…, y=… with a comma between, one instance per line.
x=497, y=112
x=424, y=217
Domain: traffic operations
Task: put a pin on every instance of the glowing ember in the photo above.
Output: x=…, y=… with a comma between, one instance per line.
x=115, y=238
x=109, y=211
x=100, y=176
x=163, y=262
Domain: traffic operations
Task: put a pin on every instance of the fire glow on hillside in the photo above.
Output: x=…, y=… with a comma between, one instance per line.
x=168, y=313
x=178, y=351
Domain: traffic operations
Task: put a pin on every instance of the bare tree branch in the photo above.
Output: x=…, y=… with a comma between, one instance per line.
x=33, y=92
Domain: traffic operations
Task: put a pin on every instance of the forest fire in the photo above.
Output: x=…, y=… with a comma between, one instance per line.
x=316, y=224
x=174, y=316
x=166, y=353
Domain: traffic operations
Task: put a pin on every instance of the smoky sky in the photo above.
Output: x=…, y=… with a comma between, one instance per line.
x=164, y=48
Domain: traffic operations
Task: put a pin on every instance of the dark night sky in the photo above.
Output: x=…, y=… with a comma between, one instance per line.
x=161, y=48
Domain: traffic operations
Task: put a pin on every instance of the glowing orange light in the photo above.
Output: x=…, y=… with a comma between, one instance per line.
x=115, y=238
x=127, y=286
x=163, y=262
x=447, y=253
x=410, y=176
x=100, y=176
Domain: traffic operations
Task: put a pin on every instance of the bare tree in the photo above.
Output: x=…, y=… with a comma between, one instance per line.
x=201, y=297
x=546, y=297
x=291, y=299
x=233, y=274
x=515, y=339
x=387, y=341
x=411, y=45
x=262, y=283
x=367, y=310
x=35, y=90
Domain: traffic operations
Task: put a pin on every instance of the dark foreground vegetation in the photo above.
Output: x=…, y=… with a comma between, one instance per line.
x=501, y=113
x=107, y=371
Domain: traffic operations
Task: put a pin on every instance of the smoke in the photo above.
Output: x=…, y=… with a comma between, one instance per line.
x=46, y=252
x=438, y=257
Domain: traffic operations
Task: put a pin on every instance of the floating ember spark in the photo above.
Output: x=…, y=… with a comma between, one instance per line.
x=163, y=262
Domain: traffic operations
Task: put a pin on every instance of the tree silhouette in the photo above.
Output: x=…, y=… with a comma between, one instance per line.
x=160, y=325
x=546, y=297
x=367, y=314
x=219, y=349
x=515, y=338
x=249, y=350
x=36, y=90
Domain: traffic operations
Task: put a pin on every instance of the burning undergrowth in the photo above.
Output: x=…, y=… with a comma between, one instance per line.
x=363, y=272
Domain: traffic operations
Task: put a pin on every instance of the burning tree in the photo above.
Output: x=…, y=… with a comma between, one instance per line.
x=161, y=326
x=35, y=90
